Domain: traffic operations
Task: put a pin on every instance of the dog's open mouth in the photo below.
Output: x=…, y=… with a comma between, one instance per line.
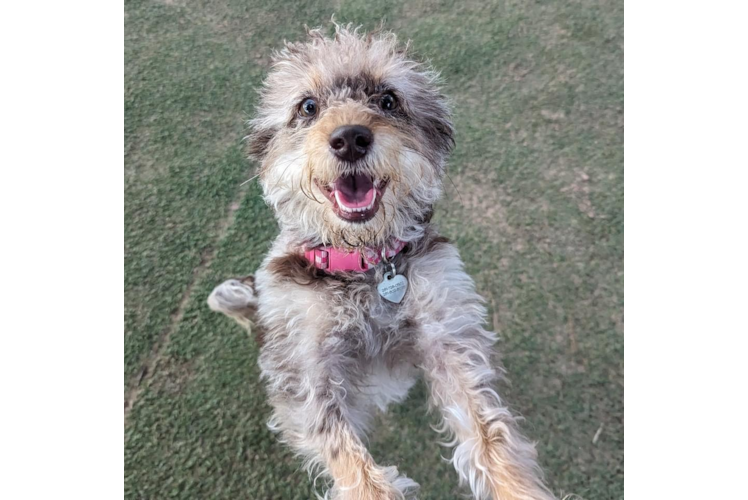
x=355, y=197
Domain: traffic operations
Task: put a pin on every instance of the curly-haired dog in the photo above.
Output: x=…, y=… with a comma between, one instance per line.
x=359, y=294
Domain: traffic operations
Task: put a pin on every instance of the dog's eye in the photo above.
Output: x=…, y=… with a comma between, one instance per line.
x=388, y=102
x=308, y=108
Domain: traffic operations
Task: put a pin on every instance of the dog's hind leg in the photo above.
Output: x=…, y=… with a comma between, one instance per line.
x=235, y=298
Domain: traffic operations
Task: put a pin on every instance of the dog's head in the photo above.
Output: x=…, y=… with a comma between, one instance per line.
x=352, y=137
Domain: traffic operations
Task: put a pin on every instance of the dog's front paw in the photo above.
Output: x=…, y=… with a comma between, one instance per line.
x=378, y=483
x=235, y=298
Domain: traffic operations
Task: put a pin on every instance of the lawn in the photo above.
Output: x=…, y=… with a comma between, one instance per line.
x=534, y=203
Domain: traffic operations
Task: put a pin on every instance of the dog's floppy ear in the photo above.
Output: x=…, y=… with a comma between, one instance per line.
x=259, y=141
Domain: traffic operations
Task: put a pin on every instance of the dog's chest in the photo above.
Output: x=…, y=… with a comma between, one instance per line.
x=355, y=319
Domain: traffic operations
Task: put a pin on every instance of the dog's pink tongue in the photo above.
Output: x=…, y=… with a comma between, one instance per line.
x=355, y=191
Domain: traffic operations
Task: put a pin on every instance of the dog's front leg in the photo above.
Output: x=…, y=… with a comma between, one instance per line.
x=311, y=403
x=455, y=354
x=355, y=475
x=236, y=298
x=491, y=455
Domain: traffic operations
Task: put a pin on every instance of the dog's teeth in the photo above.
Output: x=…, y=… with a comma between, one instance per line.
x=355, y=210
x=341, y=204
x=373, y=199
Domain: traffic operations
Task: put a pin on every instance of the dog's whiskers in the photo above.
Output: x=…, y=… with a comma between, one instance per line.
x=249, y=180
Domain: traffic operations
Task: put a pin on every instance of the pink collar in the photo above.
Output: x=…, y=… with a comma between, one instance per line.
x=333, y=259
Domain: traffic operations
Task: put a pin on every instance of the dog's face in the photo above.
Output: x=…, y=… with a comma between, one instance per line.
x=352, y=137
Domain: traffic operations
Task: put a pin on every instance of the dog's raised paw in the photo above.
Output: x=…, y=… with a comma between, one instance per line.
x=235, y=298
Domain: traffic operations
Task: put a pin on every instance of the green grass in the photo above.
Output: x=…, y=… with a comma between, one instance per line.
x=536, y=210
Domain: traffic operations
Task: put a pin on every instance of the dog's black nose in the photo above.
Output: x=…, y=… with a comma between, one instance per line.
x=351, y=142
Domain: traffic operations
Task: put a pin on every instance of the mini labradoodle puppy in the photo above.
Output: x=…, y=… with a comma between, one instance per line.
x=359, y=294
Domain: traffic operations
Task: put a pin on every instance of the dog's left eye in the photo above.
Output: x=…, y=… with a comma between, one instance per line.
x=388, y=102
x=308, y=108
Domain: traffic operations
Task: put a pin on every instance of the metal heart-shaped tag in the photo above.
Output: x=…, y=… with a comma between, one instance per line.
x=393, y=287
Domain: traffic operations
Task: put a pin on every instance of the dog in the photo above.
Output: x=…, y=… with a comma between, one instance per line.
x=359, y=294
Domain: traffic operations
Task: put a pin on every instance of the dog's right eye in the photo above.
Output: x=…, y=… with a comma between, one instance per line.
x=308, y=108
x=388, y=102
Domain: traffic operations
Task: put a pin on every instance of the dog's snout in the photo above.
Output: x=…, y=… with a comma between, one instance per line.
x=351, y=142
